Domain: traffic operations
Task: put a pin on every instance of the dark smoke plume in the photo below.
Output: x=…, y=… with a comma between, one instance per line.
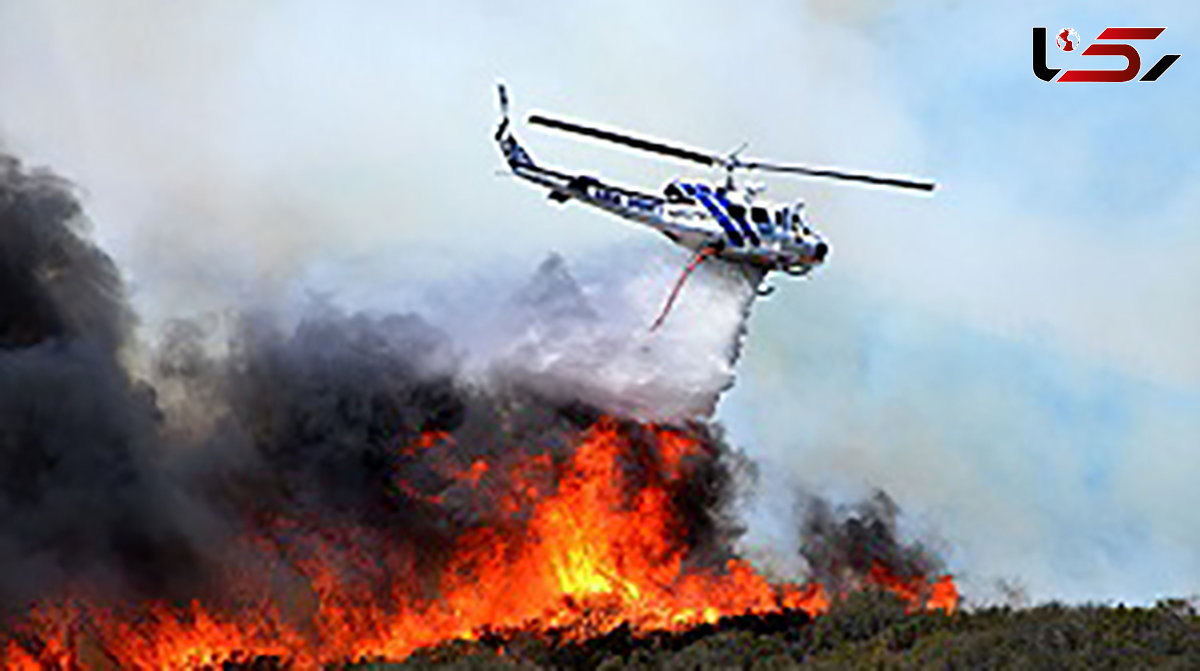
x=841, y=545
x=80, y=499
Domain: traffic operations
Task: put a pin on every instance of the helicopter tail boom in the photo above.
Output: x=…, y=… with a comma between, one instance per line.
x=521, y=163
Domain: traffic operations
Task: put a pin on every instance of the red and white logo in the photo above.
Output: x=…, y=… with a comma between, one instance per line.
x=1110, y=42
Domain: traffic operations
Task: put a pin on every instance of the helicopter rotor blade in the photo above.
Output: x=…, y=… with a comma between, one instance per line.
x=627, y=140
x=837, y=174
x=729, y=163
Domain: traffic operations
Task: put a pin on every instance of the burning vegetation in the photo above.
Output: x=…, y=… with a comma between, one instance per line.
x=337, y=492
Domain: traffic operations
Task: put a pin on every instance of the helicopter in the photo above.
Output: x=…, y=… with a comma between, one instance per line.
x=724, y=221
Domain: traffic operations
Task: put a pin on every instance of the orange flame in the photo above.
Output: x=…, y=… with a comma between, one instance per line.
x=917, y=591
x=592, y=554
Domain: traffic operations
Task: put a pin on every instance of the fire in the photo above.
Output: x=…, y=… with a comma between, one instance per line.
x=917, y=591
x=592, y=542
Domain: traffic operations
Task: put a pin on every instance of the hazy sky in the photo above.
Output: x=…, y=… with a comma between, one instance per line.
x=1015, y=359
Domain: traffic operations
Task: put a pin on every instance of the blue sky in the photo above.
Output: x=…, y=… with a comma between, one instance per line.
x=1014, y=359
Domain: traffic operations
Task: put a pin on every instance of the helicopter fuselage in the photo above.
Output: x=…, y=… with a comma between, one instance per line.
x=698, y=216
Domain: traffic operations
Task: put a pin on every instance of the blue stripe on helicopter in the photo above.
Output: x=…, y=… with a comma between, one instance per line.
x=701, y=193
x=746, y=228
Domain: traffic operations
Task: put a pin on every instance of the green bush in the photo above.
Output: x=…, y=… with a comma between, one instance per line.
x=868, y=630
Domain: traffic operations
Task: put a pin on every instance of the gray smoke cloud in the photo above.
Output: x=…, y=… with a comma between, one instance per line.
x=81, y=500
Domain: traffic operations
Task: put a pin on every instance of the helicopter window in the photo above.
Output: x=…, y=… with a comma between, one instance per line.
x=738, y=212
x=762, y=218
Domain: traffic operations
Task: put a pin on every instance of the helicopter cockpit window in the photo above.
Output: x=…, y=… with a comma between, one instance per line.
x=738, y=212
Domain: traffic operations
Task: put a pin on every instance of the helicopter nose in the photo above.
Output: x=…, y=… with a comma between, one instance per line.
x=820, y=251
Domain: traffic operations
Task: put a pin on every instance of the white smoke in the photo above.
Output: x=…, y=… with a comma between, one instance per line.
x=584, y=331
